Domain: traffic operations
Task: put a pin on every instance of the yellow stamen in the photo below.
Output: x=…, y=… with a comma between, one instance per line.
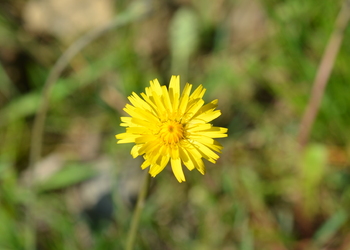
x=171, y=132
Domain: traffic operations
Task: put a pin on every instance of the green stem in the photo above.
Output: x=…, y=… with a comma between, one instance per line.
x=137, y=213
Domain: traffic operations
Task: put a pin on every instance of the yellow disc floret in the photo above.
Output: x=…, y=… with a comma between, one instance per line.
x=171, y=132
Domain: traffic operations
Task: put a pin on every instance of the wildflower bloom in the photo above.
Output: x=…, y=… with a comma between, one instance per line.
x=168, y=126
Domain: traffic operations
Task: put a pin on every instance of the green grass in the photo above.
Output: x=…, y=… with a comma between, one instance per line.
x=262, y=194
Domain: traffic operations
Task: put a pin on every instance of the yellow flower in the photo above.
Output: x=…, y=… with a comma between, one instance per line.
x=167, y=126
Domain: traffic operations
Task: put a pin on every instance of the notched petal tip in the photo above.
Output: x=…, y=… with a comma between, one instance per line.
x=177, y=169
x=118, y=138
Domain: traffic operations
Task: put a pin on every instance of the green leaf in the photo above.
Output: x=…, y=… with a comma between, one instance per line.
x=331, y=226
x=67, y=176
x=314, y=165
x=26, y=105
x=184, y=39
x=313, y=170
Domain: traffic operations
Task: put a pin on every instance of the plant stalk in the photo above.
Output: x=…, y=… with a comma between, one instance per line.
x=323, y=74
x=137, y=212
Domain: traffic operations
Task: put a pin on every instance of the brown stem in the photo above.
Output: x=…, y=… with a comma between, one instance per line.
x=323, y=74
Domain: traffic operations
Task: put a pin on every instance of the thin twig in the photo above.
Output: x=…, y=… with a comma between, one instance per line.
x=323, y=74
x=137, y=213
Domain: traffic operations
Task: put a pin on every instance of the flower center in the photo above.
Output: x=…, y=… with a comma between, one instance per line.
x=171, y=132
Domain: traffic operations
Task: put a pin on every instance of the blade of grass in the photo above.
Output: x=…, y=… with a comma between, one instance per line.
x=323, y=74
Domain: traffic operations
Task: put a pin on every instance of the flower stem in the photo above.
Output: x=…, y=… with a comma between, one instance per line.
x=137, y=213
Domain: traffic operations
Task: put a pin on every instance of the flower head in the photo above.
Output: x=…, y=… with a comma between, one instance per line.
x=168, y=126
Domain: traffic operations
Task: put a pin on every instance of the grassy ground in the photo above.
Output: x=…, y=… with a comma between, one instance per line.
x=259, y=58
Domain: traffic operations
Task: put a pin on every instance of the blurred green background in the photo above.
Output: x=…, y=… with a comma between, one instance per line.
x=259, y=58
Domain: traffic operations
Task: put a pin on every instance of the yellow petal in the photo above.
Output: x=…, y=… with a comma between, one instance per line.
x=138, y=102
x=198, y=93
x=135, y=150
x=198, y=127
x=215, y=132
x=206, y=116
x=160, y=106
x=193, y=109
x=126, y=138
x=197, y=162
x=177, y=169
x=174, y=152
x=184, y=99
x=166, y=100
x=156, y=169
x=207, y=141
x=174, y=91
x=145, y=138
x=155, y=87
x=206, y=152
x=148, y=147
x=145, y=164
x=140, y=113
x=146, y=97
x=141, y=122
x=186, y=159
x=209, y=106
x=188, y=146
